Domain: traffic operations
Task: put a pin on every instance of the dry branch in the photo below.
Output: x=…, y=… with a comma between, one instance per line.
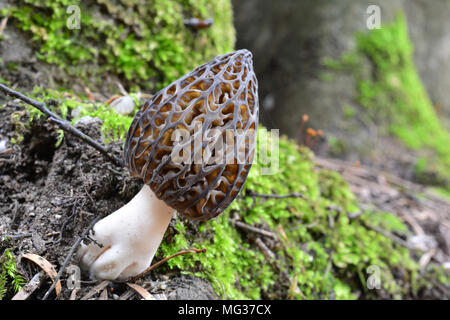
x=63, y=124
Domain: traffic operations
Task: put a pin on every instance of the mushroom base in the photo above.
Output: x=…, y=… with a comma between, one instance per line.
x=129, y=237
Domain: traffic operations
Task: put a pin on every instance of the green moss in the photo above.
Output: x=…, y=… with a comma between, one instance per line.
x=392, y=94
x=144, y=43
x=324, y=252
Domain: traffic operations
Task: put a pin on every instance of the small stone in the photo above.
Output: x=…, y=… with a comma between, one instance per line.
x=165, y=278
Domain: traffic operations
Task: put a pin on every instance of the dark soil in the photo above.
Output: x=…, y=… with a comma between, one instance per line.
x=49, y=195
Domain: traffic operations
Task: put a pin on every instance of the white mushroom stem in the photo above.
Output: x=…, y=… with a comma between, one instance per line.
x=130, y=237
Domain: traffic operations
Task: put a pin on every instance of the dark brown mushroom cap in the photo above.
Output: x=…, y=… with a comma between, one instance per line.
x=221, y=94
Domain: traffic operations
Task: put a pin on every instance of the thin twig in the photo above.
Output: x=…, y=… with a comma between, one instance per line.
x=63, y=124
x=156, y=265
x=3, y=24
x=69, y=255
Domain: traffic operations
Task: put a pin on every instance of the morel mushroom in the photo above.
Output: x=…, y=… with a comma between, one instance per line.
x=215, y=109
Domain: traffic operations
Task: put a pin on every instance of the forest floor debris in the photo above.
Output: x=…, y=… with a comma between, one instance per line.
x=48, y=197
